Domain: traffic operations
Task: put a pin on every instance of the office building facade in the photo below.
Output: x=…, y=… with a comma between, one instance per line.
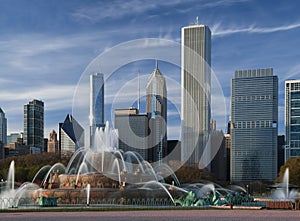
x=196, y=95
x=254, y=130
x=156, y=109
x=292, y=118
x=3, y=127
x=34, y=124
x=133, y=131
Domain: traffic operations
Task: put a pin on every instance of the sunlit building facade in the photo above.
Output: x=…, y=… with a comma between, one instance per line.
x=156, y=109
x=196, y=95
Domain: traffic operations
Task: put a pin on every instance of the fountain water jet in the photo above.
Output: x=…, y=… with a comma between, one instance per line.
x=43, y=169
x=11, y=175
x=282, y=191
x=88, y=189
x=82, y=169
x=286, y=181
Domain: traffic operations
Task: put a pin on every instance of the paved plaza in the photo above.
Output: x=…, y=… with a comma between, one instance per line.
x=159, y=215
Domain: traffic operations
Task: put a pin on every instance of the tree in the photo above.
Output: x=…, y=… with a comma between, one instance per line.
x=27, y=166
x=294, y=171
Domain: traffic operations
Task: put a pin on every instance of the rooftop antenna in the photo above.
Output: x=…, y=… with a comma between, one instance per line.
x=197, y=22
x=139, y=92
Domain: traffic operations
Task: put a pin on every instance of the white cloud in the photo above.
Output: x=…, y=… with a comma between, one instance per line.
x=55, y=98
x=218, y=30
x=118, y=9
x=292, y=73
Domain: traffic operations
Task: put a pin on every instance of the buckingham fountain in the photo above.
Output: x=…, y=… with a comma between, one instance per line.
x=104, y=175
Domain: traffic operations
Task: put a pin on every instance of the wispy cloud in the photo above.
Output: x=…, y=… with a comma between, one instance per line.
x=292, y=73
x=221, y=3
x=117, y=9
x=218, y=30
x=114, y=10
x=55, y=96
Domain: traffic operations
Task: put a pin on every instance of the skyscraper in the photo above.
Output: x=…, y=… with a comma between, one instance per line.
x=3, y=127
x=156, y=108
x=52, y=143
x=292, y=118
x=195, y=95
x=133, y=131
x=96, y=103
x=71, y=136
x=254, y=116
x=34, y=124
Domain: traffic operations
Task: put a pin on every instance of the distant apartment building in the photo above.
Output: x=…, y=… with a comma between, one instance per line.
x=3, y=127
x=254, y=117
x=71, y=136
x=34, y=124
x=13, y=137
x=292, y=118
x=17, y=148
x=52, y=146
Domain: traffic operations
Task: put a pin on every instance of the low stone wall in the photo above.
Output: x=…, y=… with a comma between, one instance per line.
x=279, y=205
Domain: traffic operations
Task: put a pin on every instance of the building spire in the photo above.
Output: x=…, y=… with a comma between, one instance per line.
x=156, y=64
x=139, y=93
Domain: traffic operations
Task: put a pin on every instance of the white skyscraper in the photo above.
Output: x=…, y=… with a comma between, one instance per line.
x=195, y=95
x=3, y=127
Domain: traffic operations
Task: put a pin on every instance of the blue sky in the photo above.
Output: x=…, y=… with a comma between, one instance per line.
x=46, y=46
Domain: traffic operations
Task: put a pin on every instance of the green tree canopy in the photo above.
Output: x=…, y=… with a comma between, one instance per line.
x=294, y=171
x=27, y=166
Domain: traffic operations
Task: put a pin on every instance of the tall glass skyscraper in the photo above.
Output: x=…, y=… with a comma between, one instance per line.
x=292, y=118
x=3, y=127
x=34, y=124
x=254, y=116
x=96, y=103
x=156, y=108
x=195, y=95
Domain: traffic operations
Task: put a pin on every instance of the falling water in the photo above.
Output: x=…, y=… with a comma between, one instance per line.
x=11, y=175
x=160, y=185
x=82, y=169
x=286, y=182
x=88, y=188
